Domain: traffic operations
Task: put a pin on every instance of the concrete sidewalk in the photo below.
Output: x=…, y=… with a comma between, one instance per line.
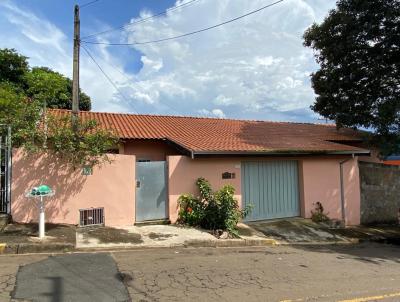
x=296, y=231
x=160, y=236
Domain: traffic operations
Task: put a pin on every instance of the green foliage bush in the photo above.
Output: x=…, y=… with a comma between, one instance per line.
x=318, y=214
x=211, y=210
x=26, y=92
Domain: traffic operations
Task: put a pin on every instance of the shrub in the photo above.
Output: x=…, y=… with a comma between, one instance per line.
x=191, y=210
x=318, y=214
x=212, y=210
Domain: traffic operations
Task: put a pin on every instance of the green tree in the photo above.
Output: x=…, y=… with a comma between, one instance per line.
x=24, y=91
x=21, y=113
x=13, y=67
x=358, y=84
x=53, y=89
x=39, y=83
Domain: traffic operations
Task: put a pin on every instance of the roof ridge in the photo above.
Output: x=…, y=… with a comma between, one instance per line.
x=196, y=117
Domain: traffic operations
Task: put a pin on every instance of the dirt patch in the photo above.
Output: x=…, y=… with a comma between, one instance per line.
x=160, y=236
x=26, y=232
x=110, y=235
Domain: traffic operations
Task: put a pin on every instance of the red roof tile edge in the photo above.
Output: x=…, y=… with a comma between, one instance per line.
x=202, y=136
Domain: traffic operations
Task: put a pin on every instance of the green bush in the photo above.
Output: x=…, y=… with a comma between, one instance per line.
x=212, y=210
x=318, y=214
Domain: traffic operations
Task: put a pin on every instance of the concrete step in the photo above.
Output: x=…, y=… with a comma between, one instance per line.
x=153, y=222
x=4, y=220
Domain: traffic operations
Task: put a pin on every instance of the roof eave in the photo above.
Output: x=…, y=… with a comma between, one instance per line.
x=281, y=153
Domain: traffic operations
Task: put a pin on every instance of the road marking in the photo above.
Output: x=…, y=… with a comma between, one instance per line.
x=366, y=299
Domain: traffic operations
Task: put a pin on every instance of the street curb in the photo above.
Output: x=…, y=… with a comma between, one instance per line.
x=26, y=248
x=316, y=243
x=230, y=242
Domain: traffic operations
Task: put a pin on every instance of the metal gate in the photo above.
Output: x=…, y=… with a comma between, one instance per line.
x=151, y=192
x=272, y=187
x=5, y=169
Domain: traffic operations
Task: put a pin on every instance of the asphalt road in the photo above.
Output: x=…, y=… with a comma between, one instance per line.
x=299, y=273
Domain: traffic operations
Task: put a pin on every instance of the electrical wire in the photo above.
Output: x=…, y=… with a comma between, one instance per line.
x=142, y=20
x=128, y=79
x=88, y=3
x=106, y=76
x=187, y=34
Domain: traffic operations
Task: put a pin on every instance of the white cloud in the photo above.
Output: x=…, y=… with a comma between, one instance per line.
x=212, y=113
x=254, y=68
x=47, y=45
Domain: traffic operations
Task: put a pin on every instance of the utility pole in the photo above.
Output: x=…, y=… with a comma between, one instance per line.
x=75, y=69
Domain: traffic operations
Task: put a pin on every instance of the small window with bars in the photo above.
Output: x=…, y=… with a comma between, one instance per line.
x=91, y=216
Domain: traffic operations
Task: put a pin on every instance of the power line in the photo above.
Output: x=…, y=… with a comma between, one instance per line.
x=88, y=3
x=187, y=34
x=107, y=77
x=126, y=77
x=142, y=20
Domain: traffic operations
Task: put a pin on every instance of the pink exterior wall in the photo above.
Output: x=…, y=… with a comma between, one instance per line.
x=111, y=186
x=148, y=149
x=184, y=171
x=320, y=180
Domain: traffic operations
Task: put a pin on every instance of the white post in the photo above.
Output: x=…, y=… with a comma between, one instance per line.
x=41, y=218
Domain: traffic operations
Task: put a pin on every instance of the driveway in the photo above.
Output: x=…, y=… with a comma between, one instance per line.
x=367, y=272
x=300, y=230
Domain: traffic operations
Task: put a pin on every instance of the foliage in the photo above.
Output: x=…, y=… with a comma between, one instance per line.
x=13, y=67
x=358, y=83
x=53, y=89
x=24, y=96
x=212, y=210
x=42, y=84
x=88, y=145
x=21, y=114
x=191, y=210
x=318, y=215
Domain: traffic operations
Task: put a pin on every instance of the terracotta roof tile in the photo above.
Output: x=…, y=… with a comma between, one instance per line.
x=226, y=135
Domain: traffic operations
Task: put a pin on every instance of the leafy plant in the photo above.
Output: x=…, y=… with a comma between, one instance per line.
x=41, y=84
x=88, y=145
x=212, y=210
x=21, y=113
x=25, y=94
x=358, y=83
x=318, y=215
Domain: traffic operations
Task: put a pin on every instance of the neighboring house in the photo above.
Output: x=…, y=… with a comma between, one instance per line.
x=393, y=160
x=281, y=168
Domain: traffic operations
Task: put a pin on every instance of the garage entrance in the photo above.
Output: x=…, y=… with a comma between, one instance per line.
x=272, y=187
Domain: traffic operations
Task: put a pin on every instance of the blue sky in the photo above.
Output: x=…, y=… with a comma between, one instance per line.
x=256, y=68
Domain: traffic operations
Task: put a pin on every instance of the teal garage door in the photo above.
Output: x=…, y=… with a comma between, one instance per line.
x=272, y=187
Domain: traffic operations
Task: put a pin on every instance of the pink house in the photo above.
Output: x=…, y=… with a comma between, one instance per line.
x=283, y=169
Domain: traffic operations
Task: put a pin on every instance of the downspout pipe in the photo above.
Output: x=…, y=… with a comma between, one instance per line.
x=342, y=201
